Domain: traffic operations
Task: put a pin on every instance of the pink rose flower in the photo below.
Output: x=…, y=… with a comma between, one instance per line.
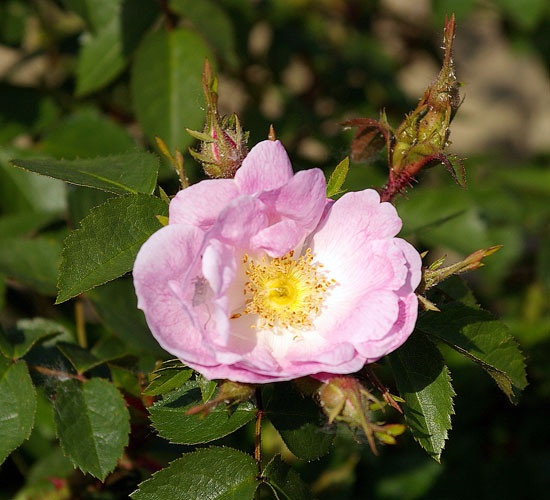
x=260, y=278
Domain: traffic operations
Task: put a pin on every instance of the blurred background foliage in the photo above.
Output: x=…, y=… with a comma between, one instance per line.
x=78, y=83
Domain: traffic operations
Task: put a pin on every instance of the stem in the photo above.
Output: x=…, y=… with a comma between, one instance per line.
x=49, y=372
x=80, y=323
x=258, y=431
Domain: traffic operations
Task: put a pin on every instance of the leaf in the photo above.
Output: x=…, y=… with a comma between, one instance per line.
x=17, y=405
x=476, y=334
x=218, y=31
x=85, y=133
x=169, y=417
x=166, y=85
x=212, y=473
x=21, y=191
x=17, y=341
x=120, y=174
x=106, y=244
x=24, y=223
x=285, y=481
x=337, y=178
x=167, y=379
x=105, y=54
x=299, y=422
x=81, y=359
x=92, y=424
x=116, y=304
x=423, y=381
x=33, y=262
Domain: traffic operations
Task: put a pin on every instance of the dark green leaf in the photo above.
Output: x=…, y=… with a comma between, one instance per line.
x=285, y=481
x=17, y=341
x=106, y=244
x=92, y=423
x=169, y=417
x=81, y=359
x=337, y=178
x=423, y=381
x=120, y=174
x=218, y=31
x=479, y=336
x=166, y=85
x=17, y=405
x=33, y=262
x=105, y=55
x=116, y=304
x=86, y=133
x=212, y=473
x=299, y=422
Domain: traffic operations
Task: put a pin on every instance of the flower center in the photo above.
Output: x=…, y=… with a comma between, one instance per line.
x=284, y=291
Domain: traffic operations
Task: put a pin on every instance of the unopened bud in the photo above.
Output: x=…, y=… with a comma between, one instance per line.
x=223, y=141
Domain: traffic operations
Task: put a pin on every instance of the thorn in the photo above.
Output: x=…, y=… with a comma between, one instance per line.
x=271, y=136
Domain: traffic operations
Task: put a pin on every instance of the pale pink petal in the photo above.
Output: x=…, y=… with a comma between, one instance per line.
x=164, y=273
x=266, y=167
x=200, y=204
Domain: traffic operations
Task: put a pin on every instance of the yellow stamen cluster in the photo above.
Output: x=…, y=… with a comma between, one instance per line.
x=284, y=291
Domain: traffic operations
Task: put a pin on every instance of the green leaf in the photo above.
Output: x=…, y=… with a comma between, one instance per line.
x=168, y=379
x=17, y=341
x=299, y=422
x=285, y=481
x=33, y=262
x=169, y=417
x=212, y=473
x=21, y=224
x=166, y=85
x=92, y=424
x=81, y=359
x=105, y=54
x=482, y=338
x=17, y=405
x=218, y=31
x=337, y=178
x=85, y=133
x=120, y=174
x=423, y=381
x=106, y=244
x=22, y=191
x=116, y=304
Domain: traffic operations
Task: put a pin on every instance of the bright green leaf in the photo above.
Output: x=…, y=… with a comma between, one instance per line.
x=18, y=340
x=337, y=178
x=33, y=262
x=285, y=481
x=92, y=424
x=299, y=421
x=17, y=405
x=169, y=417
x=120, y=174
x=166, y=85
x=106, y=244
x=212, y=473
x=167, y=380
x=479, y=336
x=423, y=381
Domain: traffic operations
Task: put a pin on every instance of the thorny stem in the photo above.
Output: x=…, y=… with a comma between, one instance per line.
x=258, y=432
x=49, y=372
